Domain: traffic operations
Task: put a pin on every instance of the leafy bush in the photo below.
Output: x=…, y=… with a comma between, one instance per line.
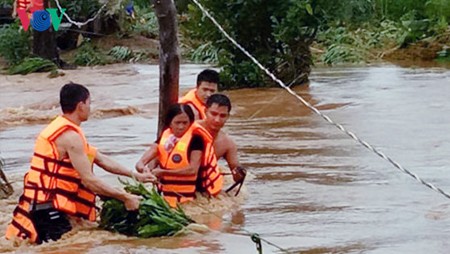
x=88, y=55
x=122, y=53
x=350, y=45
x=277, y=33
x=6, y=2
x=205, y=53
x=80, y=10
x=146, y=23
x=34, y=64
x=342, y=54
x=14, y=43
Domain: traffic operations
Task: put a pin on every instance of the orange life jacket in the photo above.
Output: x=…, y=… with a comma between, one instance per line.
x=210, y=179
x=23, y=4
x=36, y=5
x=52, y=180
x=191, y=99
x=182, y=188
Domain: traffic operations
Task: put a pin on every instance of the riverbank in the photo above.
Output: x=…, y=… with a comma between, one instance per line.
x=428, y=52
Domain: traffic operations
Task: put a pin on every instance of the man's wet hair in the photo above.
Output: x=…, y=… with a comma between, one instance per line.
x=70, y=95
x=220, y=99
x=208, y=75
x=177, y=109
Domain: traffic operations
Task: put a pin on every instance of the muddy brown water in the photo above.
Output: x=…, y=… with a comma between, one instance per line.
x=312, y=190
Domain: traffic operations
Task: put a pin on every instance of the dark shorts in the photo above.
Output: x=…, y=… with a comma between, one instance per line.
x=49, y=223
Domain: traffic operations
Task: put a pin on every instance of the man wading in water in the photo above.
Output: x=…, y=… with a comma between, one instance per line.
x=217, y=112
x=60, y=181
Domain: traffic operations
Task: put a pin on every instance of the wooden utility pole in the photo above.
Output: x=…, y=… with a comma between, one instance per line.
x=169, y=58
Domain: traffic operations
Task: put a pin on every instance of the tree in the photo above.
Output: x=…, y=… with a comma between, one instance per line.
x=277, y=33
x=169, y=57
x=44, y=43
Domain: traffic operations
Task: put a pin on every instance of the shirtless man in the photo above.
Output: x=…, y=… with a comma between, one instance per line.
x=218, y=107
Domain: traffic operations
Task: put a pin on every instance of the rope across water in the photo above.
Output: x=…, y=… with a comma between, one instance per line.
x=315, y=110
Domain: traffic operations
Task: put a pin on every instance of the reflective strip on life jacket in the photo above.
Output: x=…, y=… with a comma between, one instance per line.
x=23, y=4
x=191, y=99
x=52, y=180
x=22, y=226
x=34, y=5
x=176, y=189
x=210, y=179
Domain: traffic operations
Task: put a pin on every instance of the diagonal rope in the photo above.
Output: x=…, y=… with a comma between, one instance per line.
x=249, y=233
x=80, y=24
x=315, y=110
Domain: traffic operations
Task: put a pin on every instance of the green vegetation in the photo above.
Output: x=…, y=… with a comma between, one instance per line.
x=280, y=34
x=88, y=55
x=14, y=43
x=33, y=64
x=154, y=218
x=444, y=55
x=121, y=53
x=80, y=10
x=145, y=24
x=6, y=2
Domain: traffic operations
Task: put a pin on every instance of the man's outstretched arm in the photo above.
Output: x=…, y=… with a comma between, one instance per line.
x=110, y=165
x=72, y=143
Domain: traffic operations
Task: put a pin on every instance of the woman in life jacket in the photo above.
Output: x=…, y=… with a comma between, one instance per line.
x=175, y=158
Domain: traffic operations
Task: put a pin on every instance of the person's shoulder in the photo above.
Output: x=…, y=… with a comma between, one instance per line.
x=200, y=124
x=188, y=94
x=224, y=138
x=69, y=136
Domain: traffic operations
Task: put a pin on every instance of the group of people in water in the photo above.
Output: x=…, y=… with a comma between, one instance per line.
x=182, y=162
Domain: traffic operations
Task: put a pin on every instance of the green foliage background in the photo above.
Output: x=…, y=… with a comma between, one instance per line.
x=279, y=33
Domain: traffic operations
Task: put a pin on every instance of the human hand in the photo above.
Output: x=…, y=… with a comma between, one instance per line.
x=132, y=202
x=141, y=167
x=158, y=172
x=145, y=177
x=239, y=173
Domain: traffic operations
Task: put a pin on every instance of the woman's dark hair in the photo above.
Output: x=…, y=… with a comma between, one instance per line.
x=177, y=109
x=70, y=95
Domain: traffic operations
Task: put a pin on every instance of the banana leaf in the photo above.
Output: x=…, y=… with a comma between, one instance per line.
x=153, y=218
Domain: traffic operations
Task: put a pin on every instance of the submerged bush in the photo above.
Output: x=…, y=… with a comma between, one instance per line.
x=14, y=43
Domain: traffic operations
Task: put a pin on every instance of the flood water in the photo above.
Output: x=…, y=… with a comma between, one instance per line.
x=312, y=189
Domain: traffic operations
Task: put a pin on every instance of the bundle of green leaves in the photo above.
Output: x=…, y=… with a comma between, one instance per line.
x=154, y=218
x=32, y=64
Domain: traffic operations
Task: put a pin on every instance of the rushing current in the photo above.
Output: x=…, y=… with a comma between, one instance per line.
x=311, y=189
